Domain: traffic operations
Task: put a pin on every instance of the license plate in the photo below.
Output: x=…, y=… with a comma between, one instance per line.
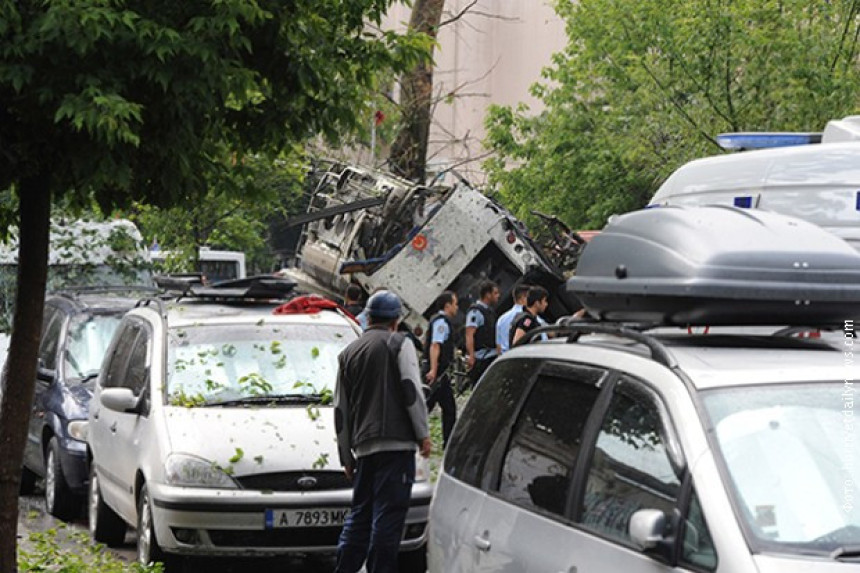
x=312, y=517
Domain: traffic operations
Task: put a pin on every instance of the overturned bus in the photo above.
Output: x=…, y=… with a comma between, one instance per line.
x=382, y=231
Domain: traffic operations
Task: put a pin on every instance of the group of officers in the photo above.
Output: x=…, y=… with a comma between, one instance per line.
x=380, y=417
x=487, y=336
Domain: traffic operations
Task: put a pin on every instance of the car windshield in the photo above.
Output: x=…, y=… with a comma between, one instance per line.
x=88, y=339
x=794, y=463
x=229, y=363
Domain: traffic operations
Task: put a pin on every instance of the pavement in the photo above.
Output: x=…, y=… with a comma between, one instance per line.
x=73, y=538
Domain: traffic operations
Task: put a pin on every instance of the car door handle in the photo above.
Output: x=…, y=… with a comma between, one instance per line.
x=481, y=541
x=113, y=427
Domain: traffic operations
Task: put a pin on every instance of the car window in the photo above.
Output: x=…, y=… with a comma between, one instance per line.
x=137, y=371
x=630, y=467
x=115, y=369
x=698, y=549
x=87, y=342
x=480, y=431
x=53, y=328
x=538, y=464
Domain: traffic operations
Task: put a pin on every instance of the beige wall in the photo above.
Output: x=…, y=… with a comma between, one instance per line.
x=489, y=56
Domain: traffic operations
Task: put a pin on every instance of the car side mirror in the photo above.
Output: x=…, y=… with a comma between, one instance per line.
x=647, y=527
x=652, y=532
x=119, y=400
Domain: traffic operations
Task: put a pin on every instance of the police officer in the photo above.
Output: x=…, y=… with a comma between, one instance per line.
x=440, y=350
x=529, y=319
x=352, y=299
x=481, y=347
x=380, y=417
x=506, y=321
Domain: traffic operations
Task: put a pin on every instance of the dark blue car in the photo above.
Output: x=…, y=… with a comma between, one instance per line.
x=76, y=331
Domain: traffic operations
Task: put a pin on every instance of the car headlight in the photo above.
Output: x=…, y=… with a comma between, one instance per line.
x=422, y=468
x=78, y=430
x=191, y=471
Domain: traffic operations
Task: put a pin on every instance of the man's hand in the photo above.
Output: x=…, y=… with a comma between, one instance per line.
x=426, y=447
x=430, y=377
x=470, y=362
x=348, y=470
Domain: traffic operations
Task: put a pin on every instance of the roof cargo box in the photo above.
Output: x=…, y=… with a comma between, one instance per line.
x=718, y=265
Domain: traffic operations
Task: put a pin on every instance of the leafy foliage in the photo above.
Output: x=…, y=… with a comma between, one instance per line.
x=146, y=97
x=235, y=213
x=73, y=552
x=643, y=87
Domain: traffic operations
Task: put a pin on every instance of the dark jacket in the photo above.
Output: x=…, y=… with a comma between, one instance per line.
x=376, y=397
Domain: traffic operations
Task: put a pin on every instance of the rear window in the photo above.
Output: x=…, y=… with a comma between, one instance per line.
x=227, y=362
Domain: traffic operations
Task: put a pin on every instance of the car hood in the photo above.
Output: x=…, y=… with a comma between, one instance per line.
x=74, y=401
x=801, y=564
x=256, y=440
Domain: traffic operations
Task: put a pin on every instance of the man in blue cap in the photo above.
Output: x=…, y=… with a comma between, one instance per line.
x=380, y=419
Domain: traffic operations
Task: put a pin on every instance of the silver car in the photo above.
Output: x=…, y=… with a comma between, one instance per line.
x=211, y=434
x=653, y=453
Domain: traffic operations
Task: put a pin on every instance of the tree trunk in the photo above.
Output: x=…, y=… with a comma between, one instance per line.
x=408, y=156
x=16, y=397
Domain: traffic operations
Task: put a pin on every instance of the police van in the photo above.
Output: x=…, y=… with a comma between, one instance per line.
x=818, y=183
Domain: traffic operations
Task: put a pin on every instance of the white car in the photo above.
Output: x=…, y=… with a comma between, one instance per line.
x=210, y=433
x=627, y=444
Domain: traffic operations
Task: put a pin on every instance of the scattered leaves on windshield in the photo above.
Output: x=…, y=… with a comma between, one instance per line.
x=313, y=412
x=259, y=459
x=180, y=398
x=321, y=462
x=275, y=347
x=228, y=350
x=261, y=322
x=254, y=384
x=240, y=453
x=281, y=362
x=315, y=352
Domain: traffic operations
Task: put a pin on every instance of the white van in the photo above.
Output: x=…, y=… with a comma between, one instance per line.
x=216, y=266
x=81, y=253
x=819, y=183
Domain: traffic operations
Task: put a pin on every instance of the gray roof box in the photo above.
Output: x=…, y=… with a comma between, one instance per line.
x=718, y=265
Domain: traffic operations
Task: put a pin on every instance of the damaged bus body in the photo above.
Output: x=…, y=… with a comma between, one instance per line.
x=381, y=231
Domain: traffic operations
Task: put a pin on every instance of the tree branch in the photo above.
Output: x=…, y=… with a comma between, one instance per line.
x=457, y=16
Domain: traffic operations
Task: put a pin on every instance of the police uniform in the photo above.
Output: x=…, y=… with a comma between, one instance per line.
x=526, y=321
x=483, y=319
x=440, y=332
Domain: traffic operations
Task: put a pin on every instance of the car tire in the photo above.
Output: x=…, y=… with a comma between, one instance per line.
x=414, y=561
x=148, y=549
x=59, y=499
x=28, y=482
x=105, y=525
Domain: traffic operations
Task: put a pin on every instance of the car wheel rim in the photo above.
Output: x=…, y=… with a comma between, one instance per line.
x=50, y=481
x=144, y=533
x=94, y=503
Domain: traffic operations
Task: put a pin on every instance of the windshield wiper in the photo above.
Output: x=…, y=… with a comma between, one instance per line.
x=270, y=399
x=846, y=552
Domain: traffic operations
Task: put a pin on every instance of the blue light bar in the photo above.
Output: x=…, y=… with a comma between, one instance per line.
x=765, y=140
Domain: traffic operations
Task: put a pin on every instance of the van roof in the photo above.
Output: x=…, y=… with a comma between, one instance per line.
x=84, y=242
x=819, y=183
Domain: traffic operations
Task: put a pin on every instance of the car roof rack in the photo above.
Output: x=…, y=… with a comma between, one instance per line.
x=249, y=289
x=574, y=328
